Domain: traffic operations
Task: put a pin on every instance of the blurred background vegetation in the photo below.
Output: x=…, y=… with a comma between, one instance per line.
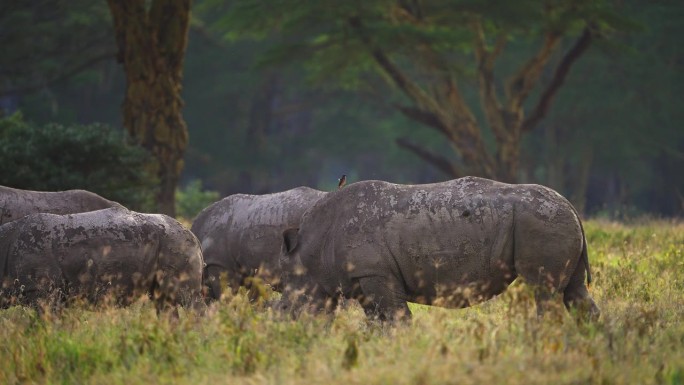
x=284, y=93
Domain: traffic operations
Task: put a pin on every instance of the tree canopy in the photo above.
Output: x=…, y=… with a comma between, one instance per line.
x=437, y=55
x=279, y=94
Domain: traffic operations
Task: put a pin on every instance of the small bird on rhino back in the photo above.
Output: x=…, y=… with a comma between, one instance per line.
x=342, y=181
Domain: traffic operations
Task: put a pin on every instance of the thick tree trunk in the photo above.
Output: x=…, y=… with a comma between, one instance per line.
x=152, y=41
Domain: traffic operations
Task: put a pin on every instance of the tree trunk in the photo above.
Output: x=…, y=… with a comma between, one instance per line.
x=508, y=160
x=152, y=41
x=580, y=195
x=261, y=113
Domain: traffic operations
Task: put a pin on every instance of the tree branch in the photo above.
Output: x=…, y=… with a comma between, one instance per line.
x=411, y=89
x=62, y=76
x=520, y=85
x=208, y=37
x=409, y=10
x=436, y=160
x=449, y=114
x=544, y=103
x=425, y=117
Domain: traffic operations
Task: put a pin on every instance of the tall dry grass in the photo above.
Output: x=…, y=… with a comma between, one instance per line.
x=639, y=285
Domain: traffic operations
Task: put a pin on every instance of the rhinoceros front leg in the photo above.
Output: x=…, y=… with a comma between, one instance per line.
x=383, y=298
x=213, y=282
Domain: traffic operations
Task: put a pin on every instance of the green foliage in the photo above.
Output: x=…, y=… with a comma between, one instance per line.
x=55, y=157
x=50, y=40
x=321, y=36
x=638, y=339
x=624, y=98
x=192, y=199
x=620, y=104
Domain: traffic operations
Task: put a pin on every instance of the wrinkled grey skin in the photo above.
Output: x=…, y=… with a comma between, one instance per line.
x=115, y=251
x=15, y=203
x=242, y=234
x=449, y=244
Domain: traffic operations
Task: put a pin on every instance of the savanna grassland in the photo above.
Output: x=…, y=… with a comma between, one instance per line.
x=638, y=283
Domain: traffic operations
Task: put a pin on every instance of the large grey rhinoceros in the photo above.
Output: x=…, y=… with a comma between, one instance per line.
x=16, y=203
x=242, y=234
x=110, y=251
x=449, y=244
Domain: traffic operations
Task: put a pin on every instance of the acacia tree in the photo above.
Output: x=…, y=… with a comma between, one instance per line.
x=152, y=38
x=433, y=52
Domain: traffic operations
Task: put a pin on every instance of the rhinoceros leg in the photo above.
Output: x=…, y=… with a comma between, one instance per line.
x=550, y=280
x=543, y=296
x=547, y=279
x=383, y=298
x=213, y=281
x=576, y=295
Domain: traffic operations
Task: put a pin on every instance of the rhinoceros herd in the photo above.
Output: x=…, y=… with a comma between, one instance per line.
x=451, y=244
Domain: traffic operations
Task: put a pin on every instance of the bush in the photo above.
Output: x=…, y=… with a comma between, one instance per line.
x=94, y=157
x=191, y=200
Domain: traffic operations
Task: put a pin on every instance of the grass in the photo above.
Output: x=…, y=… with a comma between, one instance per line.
x=639, y=285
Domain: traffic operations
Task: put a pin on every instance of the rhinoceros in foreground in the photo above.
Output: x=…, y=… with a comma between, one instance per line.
x=242, y=234
x=449, y=244
x=112, y=251
x=15, y=203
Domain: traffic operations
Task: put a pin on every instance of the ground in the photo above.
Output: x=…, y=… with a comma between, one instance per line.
x=638, y=273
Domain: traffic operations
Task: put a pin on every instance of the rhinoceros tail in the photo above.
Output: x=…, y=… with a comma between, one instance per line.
x=585, y=257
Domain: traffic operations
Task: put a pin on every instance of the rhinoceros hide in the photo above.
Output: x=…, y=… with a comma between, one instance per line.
x=452, y=244
x=241, y=234
x=15, y=203
x=113, y=252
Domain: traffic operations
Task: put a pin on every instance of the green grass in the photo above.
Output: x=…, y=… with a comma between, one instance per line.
x=639, y=285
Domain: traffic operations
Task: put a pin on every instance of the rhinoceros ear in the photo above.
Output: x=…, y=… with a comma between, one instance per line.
x=290, y=239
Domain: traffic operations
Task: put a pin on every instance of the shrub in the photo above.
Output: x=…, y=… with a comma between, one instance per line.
x=191, y=200
x=93, y=157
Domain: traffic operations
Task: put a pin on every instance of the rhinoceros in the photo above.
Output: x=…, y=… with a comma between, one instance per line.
x=111, y=251
x=450, y=244
x=15, y=203
x=241, y=234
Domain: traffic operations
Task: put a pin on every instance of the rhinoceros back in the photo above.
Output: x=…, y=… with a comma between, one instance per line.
x=248, y=228
x=16, y=203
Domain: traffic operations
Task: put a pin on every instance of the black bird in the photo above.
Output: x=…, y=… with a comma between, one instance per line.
x=342, y=181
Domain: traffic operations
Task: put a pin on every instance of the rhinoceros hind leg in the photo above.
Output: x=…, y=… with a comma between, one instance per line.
x=576, y=296
x=383, y=298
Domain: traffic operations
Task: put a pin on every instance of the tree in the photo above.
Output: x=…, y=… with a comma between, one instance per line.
x=152, y=38
x=614, y=137
x=48, y=41
x=434, y=53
